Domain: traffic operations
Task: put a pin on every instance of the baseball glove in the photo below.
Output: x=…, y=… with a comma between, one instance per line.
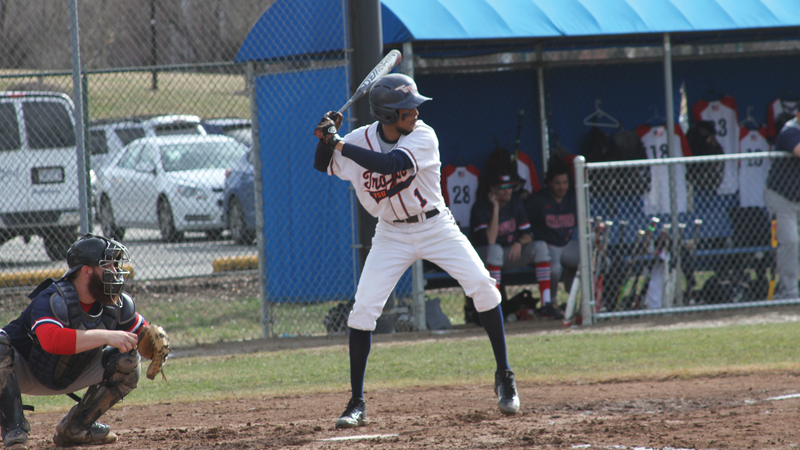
x=154, y=345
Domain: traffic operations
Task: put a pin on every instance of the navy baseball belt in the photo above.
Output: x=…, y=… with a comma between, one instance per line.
x=415, y=219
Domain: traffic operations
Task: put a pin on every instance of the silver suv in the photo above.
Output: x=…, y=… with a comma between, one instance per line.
x=38, y=170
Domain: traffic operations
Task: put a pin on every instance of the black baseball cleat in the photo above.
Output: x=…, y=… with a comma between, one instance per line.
x=548, y=310
x=16, y=439
x=97, y=434
x=355, y=415
x=505, y=387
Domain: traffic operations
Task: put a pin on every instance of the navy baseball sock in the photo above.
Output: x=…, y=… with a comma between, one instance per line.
x=492, y=321
x=360, y=343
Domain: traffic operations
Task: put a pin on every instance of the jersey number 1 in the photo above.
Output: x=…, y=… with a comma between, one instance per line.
x=422, y=201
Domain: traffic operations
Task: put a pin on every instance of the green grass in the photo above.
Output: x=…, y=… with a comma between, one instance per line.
x=130, y=93
x=592, y=356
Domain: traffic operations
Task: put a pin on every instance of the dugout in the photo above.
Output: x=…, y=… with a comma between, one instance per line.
x=482, y=61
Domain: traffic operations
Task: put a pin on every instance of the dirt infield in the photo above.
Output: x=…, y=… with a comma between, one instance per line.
x=758, y=411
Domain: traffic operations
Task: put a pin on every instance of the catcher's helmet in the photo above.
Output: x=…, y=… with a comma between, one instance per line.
x=98, y=251
x=390, y=93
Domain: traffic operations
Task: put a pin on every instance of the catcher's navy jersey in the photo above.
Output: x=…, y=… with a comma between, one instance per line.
x=38, y=312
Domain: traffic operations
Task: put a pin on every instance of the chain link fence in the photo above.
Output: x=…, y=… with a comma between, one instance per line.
x=181, y=173
x=158, y=75
x=664, y=239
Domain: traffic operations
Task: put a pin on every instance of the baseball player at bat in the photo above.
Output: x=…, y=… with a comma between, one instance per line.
x=394, y=167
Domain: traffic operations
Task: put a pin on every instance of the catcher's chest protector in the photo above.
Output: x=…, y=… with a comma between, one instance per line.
x=59, y=371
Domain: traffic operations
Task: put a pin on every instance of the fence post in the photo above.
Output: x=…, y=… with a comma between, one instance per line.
x=78, y=114
x=266, y=306
x=581, y=184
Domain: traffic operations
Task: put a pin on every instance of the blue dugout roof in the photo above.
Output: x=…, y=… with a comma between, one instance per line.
x=456, y=26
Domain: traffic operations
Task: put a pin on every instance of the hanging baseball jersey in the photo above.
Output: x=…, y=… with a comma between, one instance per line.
x=753, y=172
x=459, y=186
x=654, y=138
x=527, y=171
x=726, y=122
x=400, y=195
x=776, y=107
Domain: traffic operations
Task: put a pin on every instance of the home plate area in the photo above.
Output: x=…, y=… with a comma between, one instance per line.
x=731, y=411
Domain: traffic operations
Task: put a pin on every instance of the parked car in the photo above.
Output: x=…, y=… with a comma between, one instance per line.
x=239, y=129
x=239, y=193
x=170, y=183
x=109, y=136
x=38, y=170
x=238, y=208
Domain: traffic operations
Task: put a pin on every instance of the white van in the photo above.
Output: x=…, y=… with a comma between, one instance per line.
x=38, y=170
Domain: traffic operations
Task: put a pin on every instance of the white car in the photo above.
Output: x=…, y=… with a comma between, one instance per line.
x=170, y=183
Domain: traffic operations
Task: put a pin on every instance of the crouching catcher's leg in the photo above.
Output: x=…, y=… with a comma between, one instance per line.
x=14, y=427
x=120, y=378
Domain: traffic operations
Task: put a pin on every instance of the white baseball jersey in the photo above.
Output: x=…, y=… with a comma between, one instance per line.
x=527, y=171
x=397, y=245
x=654, y=138
x=400, y=195
x=725, y=117
x=776, y=107
x=460, y=188
x=753, y=172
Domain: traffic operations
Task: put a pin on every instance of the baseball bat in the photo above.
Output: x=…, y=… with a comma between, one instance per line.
x=382, y=68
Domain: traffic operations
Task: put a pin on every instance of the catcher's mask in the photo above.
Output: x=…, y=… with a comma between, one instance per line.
x=390, y=93
x=98, y=251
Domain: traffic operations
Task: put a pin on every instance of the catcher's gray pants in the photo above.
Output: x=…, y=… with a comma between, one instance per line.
x=498, y=255
x=28, y=384
x=787, y=214
x=564, y=261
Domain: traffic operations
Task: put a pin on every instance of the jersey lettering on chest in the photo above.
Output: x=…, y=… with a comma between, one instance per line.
x=380, y=186
x=560, y=220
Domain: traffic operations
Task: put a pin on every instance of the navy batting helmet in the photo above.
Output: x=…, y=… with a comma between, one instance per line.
x=97, y=251
x=390, y=93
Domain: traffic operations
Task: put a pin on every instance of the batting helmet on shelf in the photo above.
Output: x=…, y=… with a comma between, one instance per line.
x=390, y=93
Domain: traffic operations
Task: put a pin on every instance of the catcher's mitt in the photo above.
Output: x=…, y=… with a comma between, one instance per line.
x=154, y=345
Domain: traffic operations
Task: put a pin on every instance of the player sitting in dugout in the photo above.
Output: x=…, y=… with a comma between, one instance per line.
x=501, y=234
x=553, y=212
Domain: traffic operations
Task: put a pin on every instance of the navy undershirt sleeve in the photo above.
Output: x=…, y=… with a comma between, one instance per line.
x=322, y=157
x=382, y=163
x=788, y=139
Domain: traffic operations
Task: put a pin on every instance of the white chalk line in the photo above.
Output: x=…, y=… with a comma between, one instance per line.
x=784, y=397
x=360, y=437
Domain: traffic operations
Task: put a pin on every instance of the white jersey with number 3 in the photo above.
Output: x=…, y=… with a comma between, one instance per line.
x=400, y=195
x=724, y=115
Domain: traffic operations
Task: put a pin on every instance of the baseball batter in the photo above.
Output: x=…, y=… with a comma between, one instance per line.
x=393, y=165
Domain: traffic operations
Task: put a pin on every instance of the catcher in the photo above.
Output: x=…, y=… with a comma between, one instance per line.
x=79, y=331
